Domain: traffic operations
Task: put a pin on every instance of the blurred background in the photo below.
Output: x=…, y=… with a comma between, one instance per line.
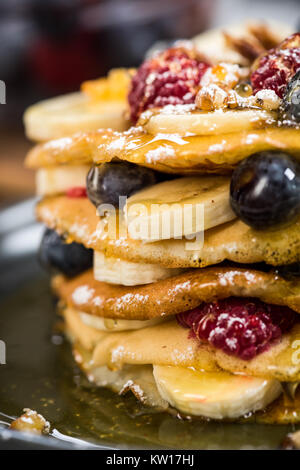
x=48, y=47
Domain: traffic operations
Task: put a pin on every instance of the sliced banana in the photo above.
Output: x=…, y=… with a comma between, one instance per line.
x=178, y=208
x=215, y=395
x=170, y=121
x=58, y=179
x=112, y=324
x=68, y=114
x=117, y=271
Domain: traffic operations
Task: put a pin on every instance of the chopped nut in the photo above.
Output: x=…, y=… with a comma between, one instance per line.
x=211, y=97
x=233, y=99
x=217, y=87
x=267, y=99
x=31, y=421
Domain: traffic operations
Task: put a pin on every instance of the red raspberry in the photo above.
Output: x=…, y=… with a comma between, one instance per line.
x=241, y=327
x=171, y=77
x=76, y=191
x=278, y=66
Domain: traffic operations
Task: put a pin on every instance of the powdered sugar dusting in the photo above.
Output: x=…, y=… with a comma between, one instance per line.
x=228, y=278
x=182, y=357
x=82, y=294
x=162, y=151
x=59, y=144
x=178, y=109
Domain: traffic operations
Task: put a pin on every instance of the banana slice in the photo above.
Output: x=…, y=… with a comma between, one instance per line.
x=58, y=179
x=111, y=324
x=215, y=395
x=117, y=271
x=178, y=208
x=170, y=121
x=68, y=114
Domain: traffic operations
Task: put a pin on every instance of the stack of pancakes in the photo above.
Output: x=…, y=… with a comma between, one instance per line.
x=122, y=315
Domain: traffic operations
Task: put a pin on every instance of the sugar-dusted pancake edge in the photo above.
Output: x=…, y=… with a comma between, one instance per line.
x=76, y=218
x=171, y=154
x=176, y=294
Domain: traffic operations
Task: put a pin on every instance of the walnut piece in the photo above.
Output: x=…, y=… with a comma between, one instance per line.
x=217, y=87
x=224, y=86
x=31, y=421
x=267, y=99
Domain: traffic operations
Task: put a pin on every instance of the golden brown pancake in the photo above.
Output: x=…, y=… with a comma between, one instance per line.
x=234, y=241
x=181, y=155
x=140, y=381
x=170, y=344
x=176, y=294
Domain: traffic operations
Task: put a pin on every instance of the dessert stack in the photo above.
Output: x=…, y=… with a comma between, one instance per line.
x=174, y=237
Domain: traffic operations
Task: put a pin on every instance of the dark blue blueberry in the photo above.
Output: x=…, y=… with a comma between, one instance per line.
x=68, y=258
x=105, y=183
x=265, y=190
x=291, y=99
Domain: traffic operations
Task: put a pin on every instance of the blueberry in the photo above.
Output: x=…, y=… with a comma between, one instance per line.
x=69, y=258
x=265, y=190
x=291, y=99
x=107, y=182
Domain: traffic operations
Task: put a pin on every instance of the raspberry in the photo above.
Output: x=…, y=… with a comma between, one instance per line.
x=277, y=67
x=171, y=77
x=76, y=191
x=241, y=327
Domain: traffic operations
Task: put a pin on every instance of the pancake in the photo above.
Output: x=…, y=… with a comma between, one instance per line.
x=170, y=344
x=171, y=154
x=140, y=381
x=176, y=294
x=234, y=241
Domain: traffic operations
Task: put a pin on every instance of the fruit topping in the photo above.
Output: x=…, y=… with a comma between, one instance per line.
x=265, y=190
x=266, y=99
x=275, y=69
x=227, y=75
x=216, y=395
x=76, y=191
x=69, y=258
x=291, y=99
x=162, y=210
x=114, y=87
x=171, y=77
x=240, y=327
x=108, y=182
